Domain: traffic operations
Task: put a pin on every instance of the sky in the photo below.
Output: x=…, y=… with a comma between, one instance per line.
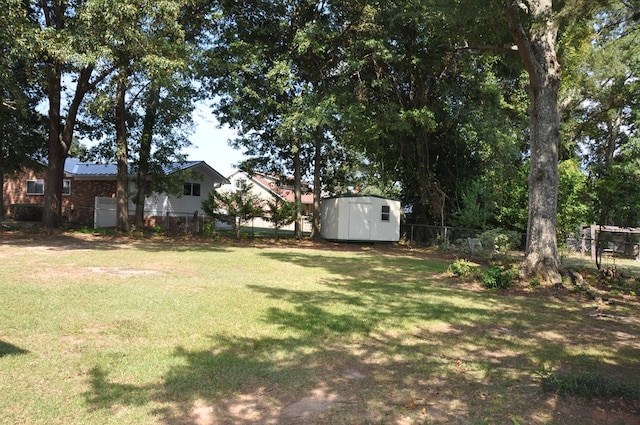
x=209, y=144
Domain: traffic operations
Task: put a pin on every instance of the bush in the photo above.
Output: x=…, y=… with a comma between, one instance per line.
x=462, y=268
x=495, y=277
x=500, y=240
x=26, y=212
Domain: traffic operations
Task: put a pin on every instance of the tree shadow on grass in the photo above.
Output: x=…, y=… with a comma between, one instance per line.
x=60, y=241
x=381, y=342
x=8, y=349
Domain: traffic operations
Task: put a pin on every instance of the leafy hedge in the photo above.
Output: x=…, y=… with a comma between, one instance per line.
x=26, y=212
x=500, y=240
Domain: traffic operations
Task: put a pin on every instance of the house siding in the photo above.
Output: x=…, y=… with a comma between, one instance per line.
x=89, y=181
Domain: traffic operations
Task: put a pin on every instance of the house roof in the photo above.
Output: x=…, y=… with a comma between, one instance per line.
x=286, y=194
x=75, y=167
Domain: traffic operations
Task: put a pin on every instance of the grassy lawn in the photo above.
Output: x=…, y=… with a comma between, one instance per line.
x=101, y=330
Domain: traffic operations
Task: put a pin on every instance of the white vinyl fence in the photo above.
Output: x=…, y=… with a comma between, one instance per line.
x=104, y=213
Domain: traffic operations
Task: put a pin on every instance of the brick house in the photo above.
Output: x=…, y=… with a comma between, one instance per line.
x=85, y=182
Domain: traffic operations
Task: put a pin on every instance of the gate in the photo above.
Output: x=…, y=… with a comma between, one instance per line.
x=104, y=213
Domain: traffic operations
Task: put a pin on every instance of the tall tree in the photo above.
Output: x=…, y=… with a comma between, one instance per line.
x=534, y=26
x=602, y=115
x=22, y=138
x=273, y=64
x=153, y=95
x=421, y=109
x=69, y=43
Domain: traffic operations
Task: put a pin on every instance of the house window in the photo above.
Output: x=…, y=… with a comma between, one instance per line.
x=386, y=211
x=35, y=187
x=66, y=187
x=241, y=184
x=192, y=189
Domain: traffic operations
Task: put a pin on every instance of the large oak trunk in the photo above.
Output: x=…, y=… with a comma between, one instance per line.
x=537, y=48
x=541, y=255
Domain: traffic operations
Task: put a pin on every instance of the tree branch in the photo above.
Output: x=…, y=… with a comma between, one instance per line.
x=488, y=48
x=521, y=38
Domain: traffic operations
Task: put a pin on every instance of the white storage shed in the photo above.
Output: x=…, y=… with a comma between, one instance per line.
x=360, y=218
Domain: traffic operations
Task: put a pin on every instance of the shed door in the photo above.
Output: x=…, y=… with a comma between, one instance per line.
x=359, y=221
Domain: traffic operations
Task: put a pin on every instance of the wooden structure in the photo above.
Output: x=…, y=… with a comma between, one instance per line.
x=624, y=241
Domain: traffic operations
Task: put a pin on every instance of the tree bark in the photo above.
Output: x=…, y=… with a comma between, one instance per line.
x=317, y=159
x=148, y=126
x=52, y=209
x=122, y=187
x=297, y=188
x=537, y=48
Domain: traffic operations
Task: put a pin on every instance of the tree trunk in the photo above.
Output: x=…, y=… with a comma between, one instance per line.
x=151, y=112
x=1, y=180
x=54, y=15
x=610, y=149
x=317, y=156
x=122, y=188
x=541, y=255
x=538, y=52
x=60, y=138
x=52, y=209
x=297, y=188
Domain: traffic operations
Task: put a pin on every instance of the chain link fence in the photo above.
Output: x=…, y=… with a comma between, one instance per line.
x=428, y=235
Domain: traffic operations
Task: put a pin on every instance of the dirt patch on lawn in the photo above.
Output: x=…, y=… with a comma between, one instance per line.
x=123, y=272
x=361, y=390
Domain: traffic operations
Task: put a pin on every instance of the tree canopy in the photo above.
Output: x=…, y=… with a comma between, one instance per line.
x=518, y=114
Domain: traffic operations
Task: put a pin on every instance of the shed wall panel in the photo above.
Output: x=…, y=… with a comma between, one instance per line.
x=360, y=218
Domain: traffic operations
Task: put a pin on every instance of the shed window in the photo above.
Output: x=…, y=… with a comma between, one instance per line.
x=385, y=212
x=35, y=187
x=192, y=189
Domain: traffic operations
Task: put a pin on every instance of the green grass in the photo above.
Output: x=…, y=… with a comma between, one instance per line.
x=101, y=330
x=588, y=385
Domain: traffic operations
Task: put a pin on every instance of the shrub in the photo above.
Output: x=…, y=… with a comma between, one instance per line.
x=462, y=268
x=500, y=240
x=495, y=277
x=26, y=212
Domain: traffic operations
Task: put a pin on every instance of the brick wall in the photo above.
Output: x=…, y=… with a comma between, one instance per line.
x=15, y=189
x=76, y=208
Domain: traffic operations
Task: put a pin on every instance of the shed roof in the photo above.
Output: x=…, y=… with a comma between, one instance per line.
x=357, y=195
